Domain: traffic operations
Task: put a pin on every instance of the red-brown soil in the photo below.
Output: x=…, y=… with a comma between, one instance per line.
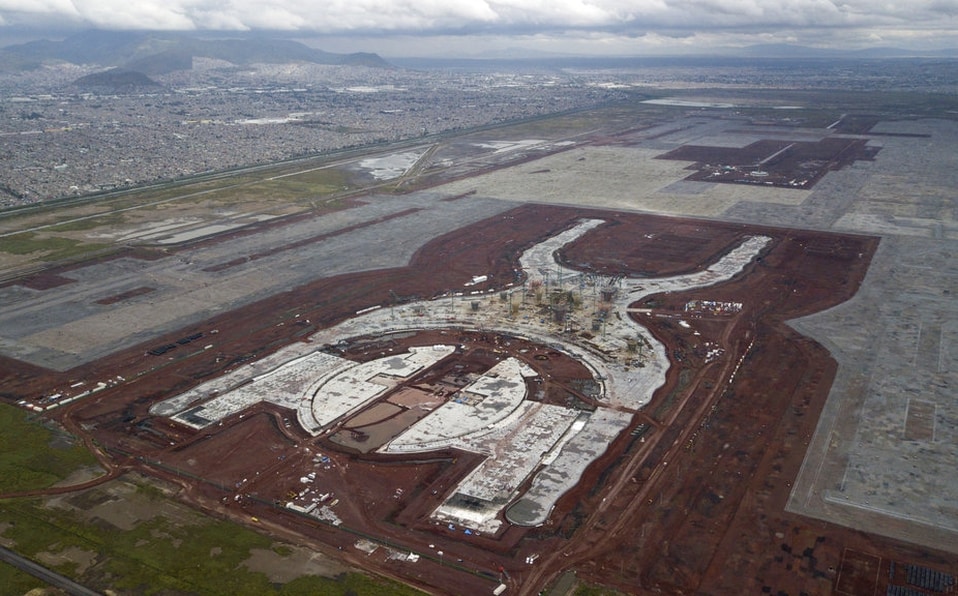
x=689, y=500
x=774, y=163
x=45, y=281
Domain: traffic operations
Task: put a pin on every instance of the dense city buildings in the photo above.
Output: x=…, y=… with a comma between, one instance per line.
x=61, y=140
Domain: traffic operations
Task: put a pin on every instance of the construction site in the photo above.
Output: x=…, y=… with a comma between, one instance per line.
x=452, y=387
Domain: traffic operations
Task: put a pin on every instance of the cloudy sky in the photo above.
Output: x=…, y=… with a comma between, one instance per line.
x=411, y=27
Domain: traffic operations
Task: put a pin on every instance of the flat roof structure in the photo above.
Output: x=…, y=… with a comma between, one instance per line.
x=564, y=466
x=501, y=393
x=515, y=449
x=319, y=386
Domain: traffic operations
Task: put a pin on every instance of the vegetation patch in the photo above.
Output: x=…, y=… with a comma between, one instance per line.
x=589, y=590
x=15, y=581
x=32, y=456
x=685, y=376
x=89, y=223
x=286, y=188
x=177, y=551
x=52, y=248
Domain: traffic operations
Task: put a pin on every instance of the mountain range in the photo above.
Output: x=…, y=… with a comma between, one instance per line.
x=157, y=53
x=154, y=53
x=798, y=51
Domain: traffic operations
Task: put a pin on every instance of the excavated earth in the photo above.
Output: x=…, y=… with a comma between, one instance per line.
x=690, y=499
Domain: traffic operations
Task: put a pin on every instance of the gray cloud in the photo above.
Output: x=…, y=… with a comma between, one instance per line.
x=865, y=19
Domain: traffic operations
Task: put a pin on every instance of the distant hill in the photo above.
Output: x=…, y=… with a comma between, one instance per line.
x=162, y=62
x=116, y=80
x=797, y=51
x=156, y=53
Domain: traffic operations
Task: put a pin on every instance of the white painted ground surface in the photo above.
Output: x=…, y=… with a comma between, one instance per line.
x=390, y=166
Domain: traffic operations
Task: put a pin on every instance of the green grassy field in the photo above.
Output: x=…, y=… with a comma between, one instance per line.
x=32, y=456
x=91, y=223
x=282, y=183
x=14, y=581
x=65, y=232
x=596, y=591
x=170, y=550
x=50, y=248
x=177, y=552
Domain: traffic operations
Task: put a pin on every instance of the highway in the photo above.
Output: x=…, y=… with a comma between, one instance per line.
x=40, y=572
